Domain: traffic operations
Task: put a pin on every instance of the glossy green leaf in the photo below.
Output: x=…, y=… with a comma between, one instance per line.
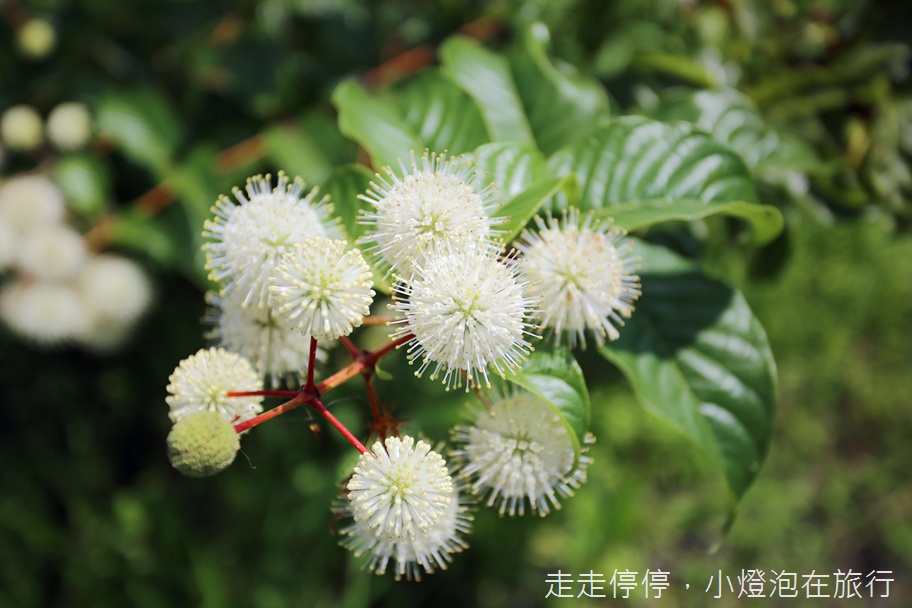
x=523, y=207
x=144, y=235
x=732, y=119
x=442, y=114
x=487, y=78
x=297, y=153
x=637, y=159
x=765, y=220
x=85, y=183
x=375, y=125
x=511, y=167
x=557, y=378
x=142, y=125
x=696, y=355
x=562, y=105
x=344, y=185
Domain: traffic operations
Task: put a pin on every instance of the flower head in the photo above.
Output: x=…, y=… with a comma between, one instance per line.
x=427, y=550
x=399, y=489
x=519, y=450
x=201, y=383
x=435, y=203
x=467, y=310
x=254, y=333
x=31, y=201
x=114, y=289
x=21, y=128
x=48, y=312
x=69, y=125
x=320, y=289
x=52, y=251
x=249, y=238
x=405, y=508
x=584, y=274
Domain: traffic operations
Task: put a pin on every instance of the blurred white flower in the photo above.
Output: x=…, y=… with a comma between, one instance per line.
x=467, y=310
x=29, y=201
x=584, y=274
x=8, y=243
x=252, y=332
x=69, y=125
x=518, y=449
x=321, y=290
x=114, y=288
x=250, y=237
x=435, y=203
x=202, y=381
x=52, y=251
x=21, y=128
x=46, y=312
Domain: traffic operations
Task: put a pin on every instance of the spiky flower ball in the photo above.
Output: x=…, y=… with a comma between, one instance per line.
x=399, y=489
x=321, y=290
x=201, y=383
x=69, y=125
x=250, y=237
x=31, y=201
x=518, y=450
x=21, y=128
x=425, y=551
x=584, y=273
x=254, y=333
x=467, y=310
x=202, y=444
x=434, y=202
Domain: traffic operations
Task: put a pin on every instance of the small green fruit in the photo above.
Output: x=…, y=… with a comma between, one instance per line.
x=202, y=444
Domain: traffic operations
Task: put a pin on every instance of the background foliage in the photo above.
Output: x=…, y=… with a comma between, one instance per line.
x=812, y=95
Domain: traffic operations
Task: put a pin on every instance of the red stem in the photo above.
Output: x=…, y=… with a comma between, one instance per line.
x=318, y=405
x=312, y=359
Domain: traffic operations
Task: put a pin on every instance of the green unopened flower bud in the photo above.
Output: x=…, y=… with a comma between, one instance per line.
x=21, y=128
x=202, y=444
x=37, y=38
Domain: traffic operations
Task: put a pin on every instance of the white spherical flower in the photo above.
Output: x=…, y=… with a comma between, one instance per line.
x=467, y=311
x=320, y=289
x=250, y=237
x=584, y=273
x=46, y=312
x=53, y=251
x=9, y=245
x=30, y=201
x=516, y=450
x=434, y=203
x=114, y=288
x=21, y=128
x=69, y=125
x=275, y=351
x=400, y=489
x=426, y=550
x=202, y=381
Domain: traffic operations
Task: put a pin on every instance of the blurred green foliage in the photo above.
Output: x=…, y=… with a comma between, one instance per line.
x=92, y=515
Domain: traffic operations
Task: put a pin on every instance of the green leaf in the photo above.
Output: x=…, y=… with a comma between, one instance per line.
x=145, y=235
x=511, y=167
x=732, y=119
x=636, y=159
x=766, y=220
x=344, y=185
x=294, y=150
x=374, y=125
x=486, y=77
x=197, y=191
x=85, y=183
x=562, y=105
x=557, y=378
x=143, y=125
x=527, y=203
x=442, y=114
x=696, y=356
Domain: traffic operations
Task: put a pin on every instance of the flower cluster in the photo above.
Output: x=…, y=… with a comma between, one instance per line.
x=468, y=311
x=62, y=292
